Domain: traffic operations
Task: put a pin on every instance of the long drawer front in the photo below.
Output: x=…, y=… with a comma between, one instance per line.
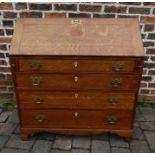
x=85, y=119
x=78, y=81
x=79, y=65
x=76, y=99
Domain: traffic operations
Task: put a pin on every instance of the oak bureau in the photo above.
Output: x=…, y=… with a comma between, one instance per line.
x=76, y=76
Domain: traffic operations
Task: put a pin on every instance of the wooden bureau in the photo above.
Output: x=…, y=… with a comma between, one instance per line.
x=76, y=76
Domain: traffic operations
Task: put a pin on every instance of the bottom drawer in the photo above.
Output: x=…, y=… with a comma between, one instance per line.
x=109, y=119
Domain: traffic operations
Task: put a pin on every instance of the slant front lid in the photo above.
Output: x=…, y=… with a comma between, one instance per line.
x=93, y=37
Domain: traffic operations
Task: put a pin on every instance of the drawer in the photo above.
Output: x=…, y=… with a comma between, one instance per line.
x=76, y=65
x=77, y=81
x=110, y=119
x=76, y=99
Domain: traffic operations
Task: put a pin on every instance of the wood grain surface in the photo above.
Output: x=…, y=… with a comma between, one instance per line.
x=76, y=100
x=78, y=65
x=96, y=37
x=76, y=119
x=84, y=81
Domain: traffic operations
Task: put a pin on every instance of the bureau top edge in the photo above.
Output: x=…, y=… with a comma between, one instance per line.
x=77, y=37
x=28, y=56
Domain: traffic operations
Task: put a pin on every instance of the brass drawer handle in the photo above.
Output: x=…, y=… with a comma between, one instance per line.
x=76, y=114
x=35, y=65
x=117, y=66
x=13, y=65
x=112, y=120
x=40, y=118
x=140, y=66
x=116, y=83
x=76, y=78
x=76, y=64
x=36, y=81
x=113, y=100
x=38, y=99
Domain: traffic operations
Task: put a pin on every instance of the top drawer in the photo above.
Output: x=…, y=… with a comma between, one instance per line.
x=78, y=65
